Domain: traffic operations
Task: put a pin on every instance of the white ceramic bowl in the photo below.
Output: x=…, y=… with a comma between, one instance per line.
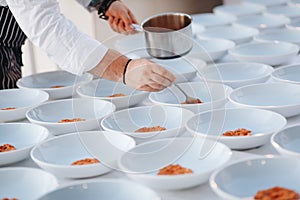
x=46, y=80
x=25, y=183
x=287, y=74
x=292, y=12
x=264, y=22
x=22, y=100
x=184, y=68
x=128, y=121
x=287, y=141
x=236, y=74
x=211, y=50
x=237, y=34
x=270, y=53
x=101, y=89
x=57, y=154
x=242, y=180
x=210, y=20
x=213, y=95
x=239, y=9
x=294, y=2
x=102, y=189
x=294, y=25
x=261, y=123
x=143, y=162
x=284, y=35
x=23, y=136
x=50, y=114
x=267, y=3
x=282, y=98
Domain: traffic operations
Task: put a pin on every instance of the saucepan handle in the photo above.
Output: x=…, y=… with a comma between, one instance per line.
x=137, y=27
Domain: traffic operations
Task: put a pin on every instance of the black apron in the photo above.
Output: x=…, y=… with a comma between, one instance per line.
x=11, y=40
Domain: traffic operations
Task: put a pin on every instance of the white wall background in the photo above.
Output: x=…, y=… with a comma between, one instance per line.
x=36, y=61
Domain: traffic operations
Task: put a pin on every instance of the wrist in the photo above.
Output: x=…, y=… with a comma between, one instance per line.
x=103, y=7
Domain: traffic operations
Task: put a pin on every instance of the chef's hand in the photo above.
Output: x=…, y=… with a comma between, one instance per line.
x=143, y=74
x=120, y=18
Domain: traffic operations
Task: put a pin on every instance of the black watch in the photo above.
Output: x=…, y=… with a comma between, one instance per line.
x=102, y=6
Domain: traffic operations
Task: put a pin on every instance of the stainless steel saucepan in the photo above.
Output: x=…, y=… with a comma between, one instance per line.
x=168, y=35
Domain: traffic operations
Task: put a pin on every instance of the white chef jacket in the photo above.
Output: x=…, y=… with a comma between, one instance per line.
x=47, y=28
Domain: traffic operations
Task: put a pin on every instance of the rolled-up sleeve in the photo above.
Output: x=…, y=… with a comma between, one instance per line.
x=47, y=28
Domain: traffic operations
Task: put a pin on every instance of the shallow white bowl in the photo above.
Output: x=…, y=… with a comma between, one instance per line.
x=242, y=180
x=102, y=189
x=210, y=20
x=287, y=141
x=184, y=68
x=44, y=81
x=261, y=123
x=57, y=154
x=264, y=22
x=237, y=34
x=282, y=98
x=25, y=183
x=284, y=35
x=239, y=9
x=213, y=95
x=128, y=121
x=267, y=3
x=292, y=12
x=287, y=74
x=49, y=114
x=22, y=100
x=23, y=136
x=236, y=74
x=211, y=50
x=270, y=53
x=294, y=2
x=143, y=162
x=101, y=89
x=294, y=25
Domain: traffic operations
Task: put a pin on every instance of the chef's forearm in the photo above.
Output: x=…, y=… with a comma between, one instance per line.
x=111, y=66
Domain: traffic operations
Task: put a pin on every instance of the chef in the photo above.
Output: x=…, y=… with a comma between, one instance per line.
x=74, y=51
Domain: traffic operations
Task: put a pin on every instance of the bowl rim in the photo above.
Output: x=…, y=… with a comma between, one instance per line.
x=88, y=77
x=233, y=51
x=133, y=134
x=222, y=9
x=257, y=106
x=273, y=74
x=280, y=20
x=112, y=105
x=268, y=68
x=111, y=180
x=224, y=43
x=45, y=98
x=214, y=185
x=227, y=89
x=149, y=175
x=45, y=135
x=135, y=92
x=270, y=3
x=275, y=9
x=65, y=166
x=252, y=32
x=261, y=36
x=279, y=147
x=226, y=19
x=226, y=138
